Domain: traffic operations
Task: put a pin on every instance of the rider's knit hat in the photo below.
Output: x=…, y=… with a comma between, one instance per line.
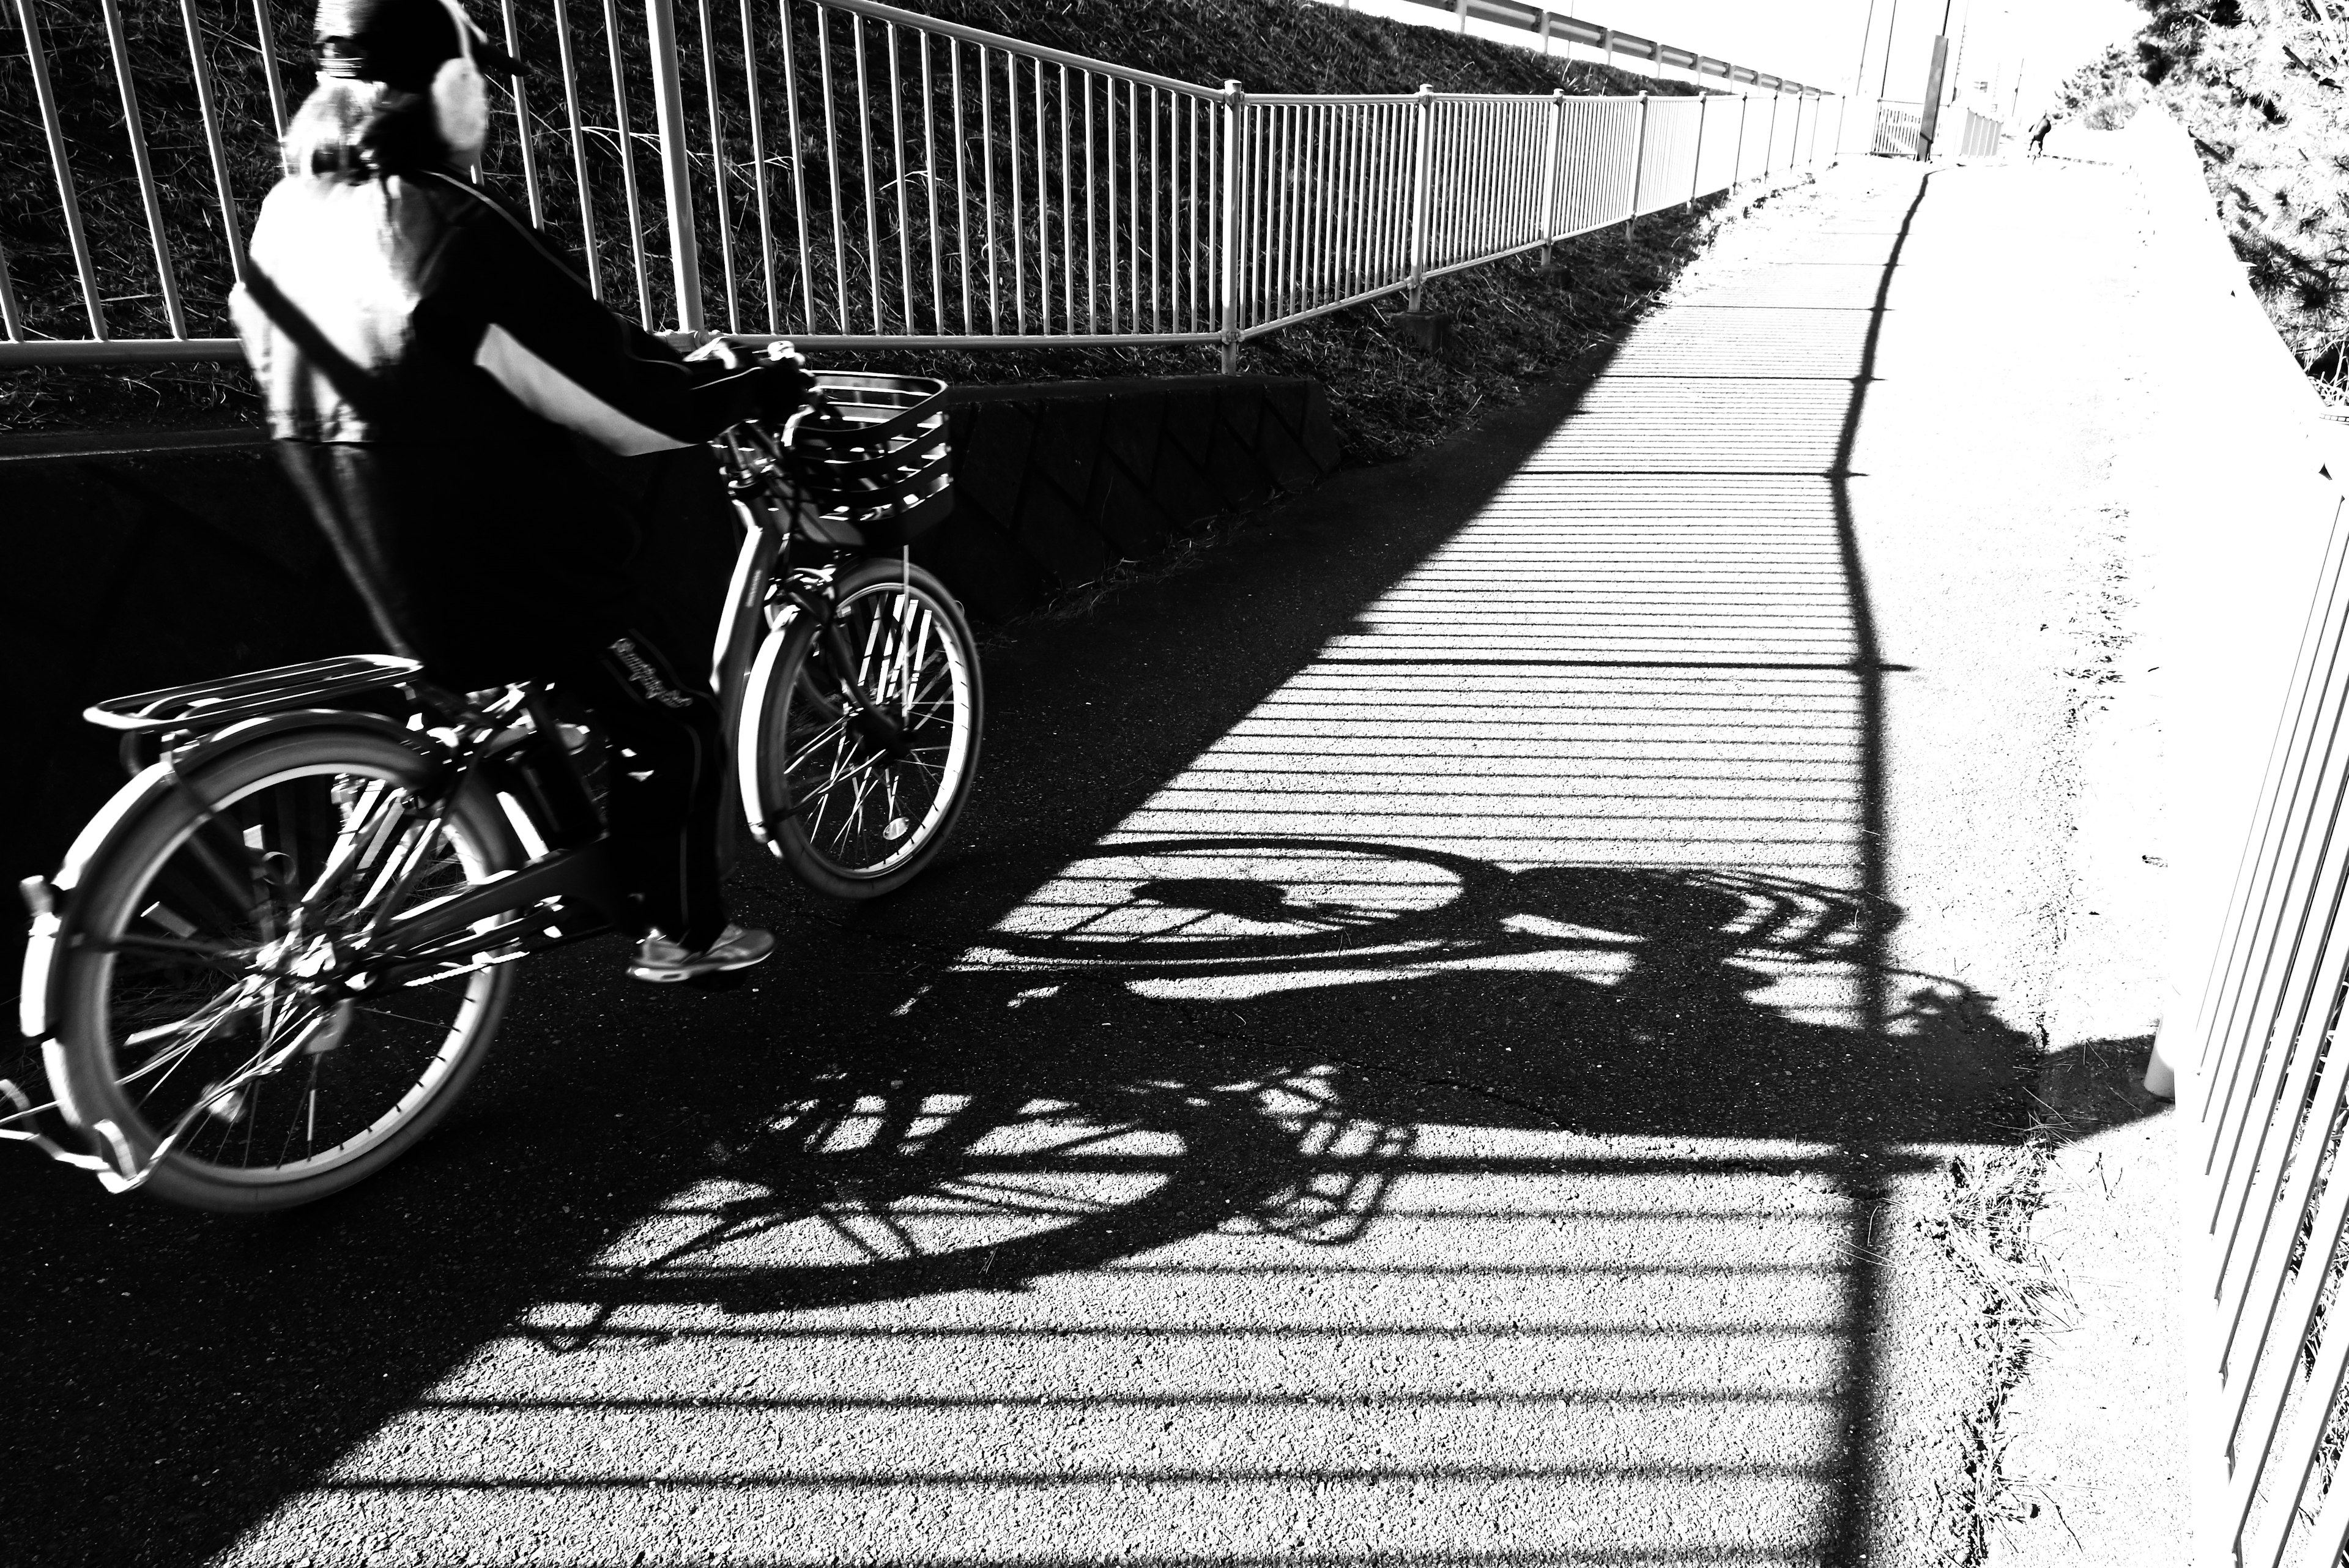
x=401, y=43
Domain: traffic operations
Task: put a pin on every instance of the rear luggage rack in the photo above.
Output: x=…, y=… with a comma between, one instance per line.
x=209, y=704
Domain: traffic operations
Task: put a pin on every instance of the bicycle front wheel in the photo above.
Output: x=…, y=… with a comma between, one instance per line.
x=855, y=812
x=199, y=1036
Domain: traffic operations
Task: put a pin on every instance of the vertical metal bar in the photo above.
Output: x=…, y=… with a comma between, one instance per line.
x=716, y=169
x=1639, y=160
x=825, y=90
x=897, y=169
x=1770, y=143
x=627, y=150
x=1289, y=189
x=668, y=111
x=266, y=37
x=231, y=228
x=1158, y=188
x=1092, y=249
x=520, y=91
x=1068, y=214
x=1011, y=151
x=1043, y=202
x=1133, y=194
x=1110, y=160
x=799, y=162
x=588, y=248
x=930, y=184
x=1234, y=103
x=10, y=321
x=1737, y=158
x=962, y=176
x=1191, y=268
x=759, y=179
x=865, y=160
x=987, y=160
x=1424, y=112
x=167, y=280
x=1696, y=163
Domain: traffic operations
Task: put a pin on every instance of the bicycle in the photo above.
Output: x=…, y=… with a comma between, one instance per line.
x=275, y=959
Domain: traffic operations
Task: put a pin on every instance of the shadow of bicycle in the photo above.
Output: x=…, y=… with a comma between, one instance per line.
x=1255, y=1036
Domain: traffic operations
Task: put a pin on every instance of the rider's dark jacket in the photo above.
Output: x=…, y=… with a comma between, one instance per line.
x=428, y=365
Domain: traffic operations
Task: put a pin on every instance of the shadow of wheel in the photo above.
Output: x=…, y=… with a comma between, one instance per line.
x=885, y=1192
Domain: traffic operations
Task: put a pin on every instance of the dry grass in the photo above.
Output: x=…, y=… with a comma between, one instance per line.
x=2260, y=84
x=1983, y=1233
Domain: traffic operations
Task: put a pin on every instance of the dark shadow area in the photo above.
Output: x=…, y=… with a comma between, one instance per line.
x=877, y=1122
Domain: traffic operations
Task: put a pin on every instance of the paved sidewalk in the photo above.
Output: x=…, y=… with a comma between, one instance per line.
x=1495, y=1088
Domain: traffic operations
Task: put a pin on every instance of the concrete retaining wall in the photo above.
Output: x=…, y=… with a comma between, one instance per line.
x=178, y=558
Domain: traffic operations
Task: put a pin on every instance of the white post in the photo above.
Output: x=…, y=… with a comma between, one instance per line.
x=1696, y=170
x=1424, y=117
x=1234, y=112
x=1737, y=158
x=668, y=103
x=1638, y=162
x=1550, y=170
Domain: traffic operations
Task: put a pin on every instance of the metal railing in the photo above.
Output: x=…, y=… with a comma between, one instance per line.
x=1900, y=130
x=2265, y=1078
x=1981, y=136
x=1612, y=43
x=843, y=173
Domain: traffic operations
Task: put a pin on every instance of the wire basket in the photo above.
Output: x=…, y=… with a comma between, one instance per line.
x=872, y=465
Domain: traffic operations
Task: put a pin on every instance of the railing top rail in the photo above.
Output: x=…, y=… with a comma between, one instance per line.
x=1528, y=18
x=916, y=20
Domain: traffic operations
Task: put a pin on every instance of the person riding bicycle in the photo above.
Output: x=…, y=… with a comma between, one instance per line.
x=428, y=365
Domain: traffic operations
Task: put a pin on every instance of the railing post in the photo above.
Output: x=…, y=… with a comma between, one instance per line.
x=668, y=104
x=1639, y=165
x=1696, y=164
x=1737, y=158
x=1843, y=109
x=1460, y=10
x=1423, y=118
x=1549, y=169
x=38, y=54
x=1770, y=140
x=1235, y=108
x=1606, y=42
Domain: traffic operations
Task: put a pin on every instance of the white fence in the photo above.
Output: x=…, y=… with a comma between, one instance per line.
x=846, y=174
x=2266, y=1081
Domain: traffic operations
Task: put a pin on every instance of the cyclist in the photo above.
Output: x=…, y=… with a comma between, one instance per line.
x=428, y=365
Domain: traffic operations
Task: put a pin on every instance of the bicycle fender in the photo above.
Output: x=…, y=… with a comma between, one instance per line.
x=750, y=725
x=55, y=926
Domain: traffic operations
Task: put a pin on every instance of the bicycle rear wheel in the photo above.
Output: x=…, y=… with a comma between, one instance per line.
x=852, y=815
x=198, y=1036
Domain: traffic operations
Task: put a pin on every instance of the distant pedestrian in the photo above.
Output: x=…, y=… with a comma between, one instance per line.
x=2039, y=134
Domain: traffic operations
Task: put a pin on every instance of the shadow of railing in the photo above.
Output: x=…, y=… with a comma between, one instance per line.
x=1441, y=1114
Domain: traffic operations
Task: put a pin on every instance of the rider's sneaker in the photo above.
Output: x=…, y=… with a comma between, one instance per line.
x=665, y=962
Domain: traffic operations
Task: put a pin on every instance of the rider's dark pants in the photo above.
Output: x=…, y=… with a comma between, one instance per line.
x=664, y=822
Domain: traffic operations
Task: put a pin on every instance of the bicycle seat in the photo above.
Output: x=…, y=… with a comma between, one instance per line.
x=209, y=704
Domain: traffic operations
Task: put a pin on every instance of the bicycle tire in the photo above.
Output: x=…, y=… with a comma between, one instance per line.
x=803, y=763
x=388, y=1066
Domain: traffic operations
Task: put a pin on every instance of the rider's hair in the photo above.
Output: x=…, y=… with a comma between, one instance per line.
x=352, y=130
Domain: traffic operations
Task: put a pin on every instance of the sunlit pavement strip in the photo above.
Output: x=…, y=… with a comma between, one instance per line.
x=1633, y=672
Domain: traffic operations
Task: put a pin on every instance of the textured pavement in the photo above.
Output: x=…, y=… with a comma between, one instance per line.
x=1435, y=1050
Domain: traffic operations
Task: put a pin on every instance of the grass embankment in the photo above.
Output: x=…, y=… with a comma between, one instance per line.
x=1517, y=323
x=2259, y=85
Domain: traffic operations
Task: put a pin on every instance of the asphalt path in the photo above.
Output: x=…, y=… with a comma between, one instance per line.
x=1423, y=1051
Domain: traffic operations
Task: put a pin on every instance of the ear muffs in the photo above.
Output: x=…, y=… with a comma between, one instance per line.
x=461, y=106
